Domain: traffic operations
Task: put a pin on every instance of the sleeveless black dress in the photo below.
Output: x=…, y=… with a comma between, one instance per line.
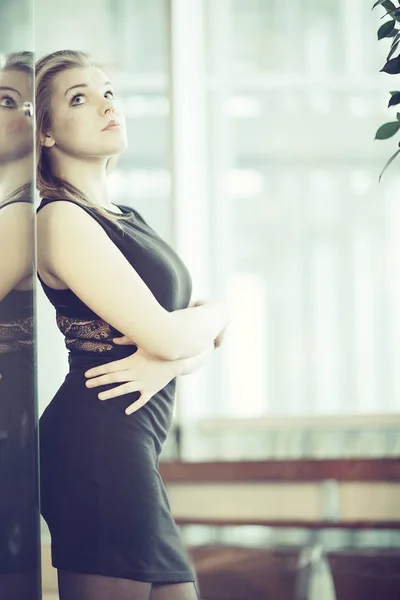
x=101, y=493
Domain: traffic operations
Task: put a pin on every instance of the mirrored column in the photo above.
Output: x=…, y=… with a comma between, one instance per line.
x=19, y=502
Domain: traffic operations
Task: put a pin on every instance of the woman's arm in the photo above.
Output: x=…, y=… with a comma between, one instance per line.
x=185, y=366
x=141, y=372
x=16, y=245
x=76, y=249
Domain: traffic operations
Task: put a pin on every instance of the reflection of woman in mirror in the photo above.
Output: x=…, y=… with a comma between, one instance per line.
x=15, y=127
x=108, y=274
x=18, y=468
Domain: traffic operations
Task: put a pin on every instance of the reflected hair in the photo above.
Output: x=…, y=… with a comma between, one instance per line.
x=48, y=184
x=22, y=62
x=18, y=61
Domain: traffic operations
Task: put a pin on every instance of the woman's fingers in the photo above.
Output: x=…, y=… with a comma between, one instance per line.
x=121, y=390
x=114, y=377
x=116, y=365
x=138, y=404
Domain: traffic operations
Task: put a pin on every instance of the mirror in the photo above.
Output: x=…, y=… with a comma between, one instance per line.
x=19, y=501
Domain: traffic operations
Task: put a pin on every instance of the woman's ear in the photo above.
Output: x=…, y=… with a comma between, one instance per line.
x=47, y=140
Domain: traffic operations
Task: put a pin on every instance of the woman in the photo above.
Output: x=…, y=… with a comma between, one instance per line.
x=19, y=516
x=109, y=275
x=16, y=140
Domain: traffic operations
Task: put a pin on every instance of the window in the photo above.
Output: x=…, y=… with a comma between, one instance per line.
x=301, y=240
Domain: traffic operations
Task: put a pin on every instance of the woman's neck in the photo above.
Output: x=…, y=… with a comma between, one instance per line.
x=14, y=175
x=88, y=176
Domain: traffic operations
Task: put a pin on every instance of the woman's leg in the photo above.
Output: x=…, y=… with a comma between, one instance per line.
x=80, y=586
x=174, y=591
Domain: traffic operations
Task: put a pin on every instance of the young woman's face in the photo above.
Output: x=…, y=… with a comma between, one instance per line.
x=15, y=128
x=83, y=107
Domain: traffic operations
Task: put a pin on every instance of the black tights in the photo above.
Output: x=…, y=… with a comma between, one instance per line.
x=79, y=586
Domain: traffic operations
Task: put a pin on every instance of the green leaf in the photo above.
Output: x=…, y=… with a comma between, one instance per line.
x=392, y=13
x=389, y=162
x=393, y=50
x=386, y=29
x=388, y=5
x=394, y=93
x=396, y=39
x=387, y=130
x=392, y=66
x=389, y=13
x=394, y=42
x=385, y=3
x=394, y=100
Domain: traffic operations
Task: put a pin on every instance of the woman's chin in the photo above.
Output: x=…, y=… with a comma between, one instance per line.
x=116, y=148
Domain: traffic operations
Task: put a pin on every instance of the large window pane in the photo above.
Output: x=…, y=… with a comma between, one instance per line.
x=303, y=244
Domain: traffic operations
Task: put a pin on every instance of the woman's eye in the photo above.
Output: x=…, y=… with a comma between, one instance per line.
x=8, y=102
x=75, y=98
x=110, y=92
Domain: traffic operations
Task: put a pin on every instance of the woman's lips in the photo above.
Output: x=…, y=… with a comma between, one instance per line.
x=112, y=124
x=112, y=127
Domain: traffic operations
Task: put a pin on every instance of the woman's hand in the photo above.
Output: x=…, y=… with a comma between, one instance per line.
x=143, y=372
x=124, y=341
x=140, y=372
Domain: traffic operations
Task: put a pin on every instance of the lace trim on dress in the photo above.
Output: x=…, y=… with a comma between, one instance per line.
x=93, y=335
x=15, y=335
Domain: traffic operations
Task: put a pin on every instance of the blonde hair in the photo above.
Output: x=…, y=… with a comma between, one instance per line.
x=18, y=61
x=22, y=62
x=48, y=184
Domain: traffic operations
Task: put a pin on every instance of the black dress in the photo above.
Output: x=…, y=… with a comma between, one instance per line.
x=101, y=493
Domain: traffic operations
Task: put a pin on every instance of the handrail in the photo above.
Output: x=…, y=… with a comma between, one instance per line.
x=290, y=523
x=299, y=470
x=375, y=421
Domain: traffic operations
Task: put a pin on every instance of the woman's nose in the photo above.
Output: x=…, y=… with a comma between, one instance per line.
x=107, y=106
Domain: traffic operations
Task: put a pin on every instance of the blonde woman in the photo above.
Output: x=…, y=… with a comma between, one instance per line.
x=108, y=275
